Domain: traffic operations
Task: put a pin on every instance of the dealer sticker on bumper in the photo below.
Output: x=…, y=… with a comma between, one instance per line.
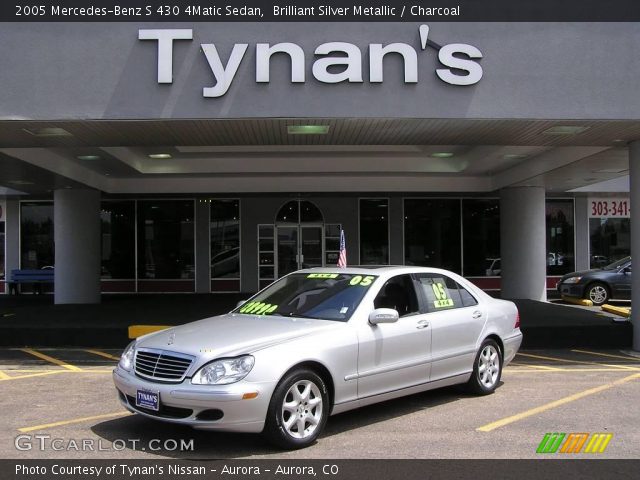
x=147, y=399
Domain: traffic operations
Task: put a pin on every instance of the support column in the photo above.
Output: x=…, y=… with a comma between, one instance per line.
x=523, y=243
x=76, y=216
x=634, y=190
x=583, y=239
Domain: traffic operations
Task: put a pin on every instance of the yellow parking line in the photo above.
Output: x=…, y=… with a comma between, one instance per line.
x=582, y=362
x=49, y=359
x=103, y=354
x=18, y=377
x=74, y=420
x=629, y=358
x=548, y=406
x=530, y=365
x=563, y=370
x=4, y=376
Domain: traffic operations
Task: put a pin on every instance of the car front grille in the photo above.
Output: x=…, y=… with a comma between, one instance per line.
x=162, y=365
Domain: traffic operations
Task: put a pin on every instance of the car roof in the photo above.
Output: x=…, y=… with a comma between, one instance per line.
x=375, y=269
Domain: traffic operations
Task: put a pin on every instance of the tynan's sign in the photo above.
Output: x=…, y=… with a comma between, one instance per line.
x=458, y=57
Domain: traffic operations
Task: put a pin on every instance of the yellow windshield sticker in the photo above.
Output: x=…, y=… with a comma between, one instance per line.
x=442, y=295
x=323, y=275
x=443, y=303
x=362, y=281
x=258, y=308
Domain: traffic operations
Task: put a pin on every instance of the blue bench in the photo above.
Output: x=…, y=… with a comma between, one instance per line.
x=34, y=277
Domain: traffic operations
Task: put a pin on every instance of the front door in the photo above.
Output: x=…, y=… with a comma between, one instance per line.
x=299, y=246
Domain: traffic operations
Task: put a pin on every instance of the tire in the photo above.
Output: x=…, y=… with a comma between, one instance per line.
x=487, y=369
x=598, y=293
x=310, y=406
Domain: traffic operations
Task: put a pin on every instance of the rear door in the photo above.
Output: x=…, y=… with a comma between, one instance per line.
x=456, y=320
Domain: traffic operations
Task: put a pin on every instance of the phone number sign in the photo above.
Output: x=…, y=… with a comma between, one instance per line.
x=612, y=207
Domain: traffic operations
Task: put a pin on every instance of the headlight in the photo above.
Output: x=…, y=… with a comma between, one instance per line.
x=572, y=280
x=126, y=360
x=223, y=372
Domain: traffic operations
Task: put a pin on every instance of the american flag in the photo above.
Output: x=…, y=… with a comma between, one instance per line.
x=342, y=259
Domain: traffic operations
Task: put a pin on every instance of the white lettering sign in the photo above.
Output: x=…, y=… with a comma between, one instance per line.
x=335, y=62
x=609, y=207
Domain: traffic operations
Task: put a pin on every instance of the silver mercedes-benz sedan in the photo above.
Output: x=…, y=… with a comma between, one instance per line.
x=319, y=342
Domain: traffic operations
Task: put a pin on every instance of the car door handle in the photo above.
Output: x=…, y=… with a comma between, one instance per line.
x=422, y=324
x=476, y=314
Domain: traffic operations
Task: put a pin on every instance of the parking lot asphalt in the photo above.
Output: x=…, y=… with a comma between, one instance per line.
x=61, y=403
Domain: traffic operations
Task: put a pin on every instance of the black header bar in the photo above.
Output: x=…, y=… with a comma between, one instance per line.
x=320, y=11
x=159, y=469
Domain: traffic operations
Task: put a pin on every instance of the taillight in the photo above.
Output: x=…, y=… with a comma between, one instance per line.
x=517, y=325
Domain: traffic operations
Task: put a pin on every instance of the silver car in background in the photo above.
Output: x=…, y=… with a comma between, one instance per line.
x=319, y=342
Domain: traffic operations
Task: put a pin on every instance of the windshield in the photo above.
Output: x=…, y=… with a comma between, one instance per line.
x=325, y=296
x=617, y=265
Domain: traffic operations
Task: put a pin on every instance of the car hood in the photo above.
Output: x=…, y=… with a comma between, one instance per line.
x=233, y=334
x=598, y=272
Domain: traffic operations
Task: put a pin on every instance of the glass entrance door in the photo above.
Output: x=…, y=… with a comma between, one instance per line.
x=299, y=246
x=311, y=246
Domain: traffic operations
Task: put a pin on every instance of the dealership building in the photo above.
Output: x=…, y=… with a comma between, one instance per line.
x=217, y=157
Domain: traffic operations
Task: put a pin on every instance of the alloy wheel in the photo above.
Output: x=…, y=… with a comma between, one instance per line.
x=489, y=366
x=302, y=409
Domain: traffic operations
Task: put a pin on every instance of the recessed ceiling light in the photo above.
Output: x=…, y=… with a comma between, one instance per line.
x=88, y=157
x=514, y=156
x=48, y=132
x=609, y=170
x=20, y=182
x=307, y=129
x=159, y=156
x=565, y=130
x=441, y=155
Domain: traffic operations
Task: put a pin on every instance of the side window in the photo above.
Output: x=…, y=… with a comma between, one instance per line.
x=441, y=292
x=398, y=293
x=468, y=300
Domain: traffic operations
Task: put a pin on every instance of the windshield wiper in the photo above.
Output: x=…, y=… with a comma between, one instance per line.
x=300, y=315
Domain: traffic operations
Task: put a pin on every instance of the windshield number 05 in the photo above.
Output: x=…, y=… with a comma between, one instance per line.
x=362, y=281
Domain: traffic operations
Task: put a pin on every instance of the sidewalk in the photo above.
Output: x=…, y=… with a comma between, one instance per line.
x=33, y=320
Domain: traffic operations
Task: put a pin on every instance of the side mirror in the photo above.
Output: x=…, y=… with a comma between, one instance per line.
x=626, y=270
x=241, y=302
x=383, y=315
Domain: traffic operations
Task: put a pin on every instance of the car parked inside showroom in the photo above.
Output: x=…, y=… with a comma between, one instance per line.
x=319, y=342
x=600, y=285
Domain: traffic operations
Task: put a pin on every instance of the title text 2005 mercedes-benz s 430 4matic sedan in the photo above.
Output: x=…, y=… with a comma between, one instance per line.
x=319, y=342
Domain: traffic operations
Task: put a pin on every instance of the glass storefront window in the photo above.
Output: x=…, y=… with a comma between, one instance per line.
x=1, y=250
x=560, y=237
x=374, y=231
x=225, y=238
x=610, y=240
x=36, y=235
x=165, y=239
x=118, y=247
x=432, y=233
x=481, y=239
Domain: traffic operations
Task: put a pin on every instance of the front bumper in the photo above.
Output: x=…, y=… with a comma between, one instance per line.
x=570, y=289
x=198, y=405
